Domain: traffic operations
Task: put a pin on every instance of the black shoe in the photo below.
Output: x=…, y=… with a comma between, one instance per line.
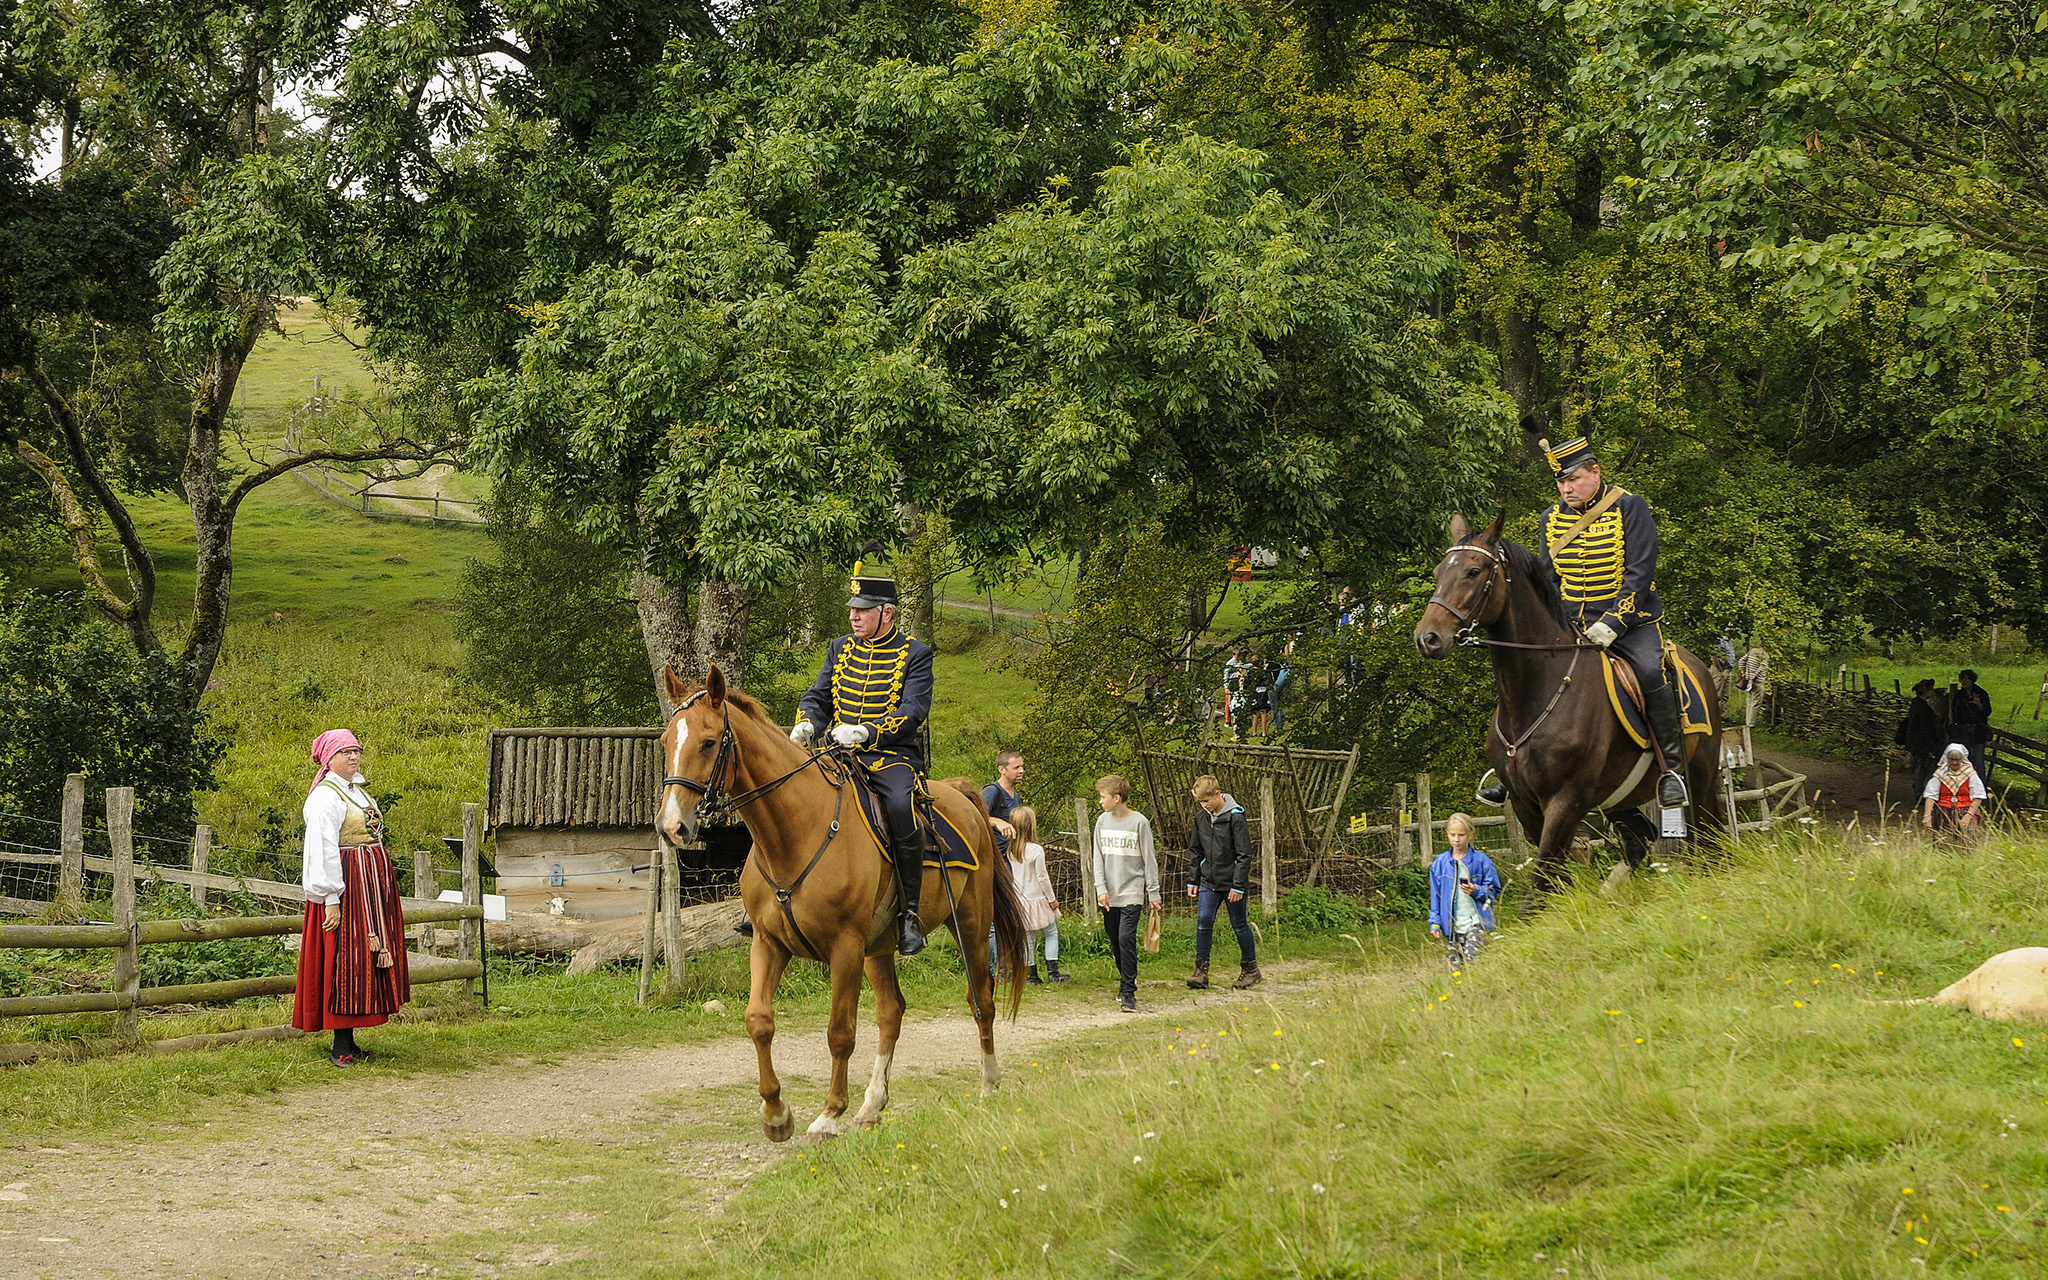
x=745, y=928
x=1129, y=1004
x=909, y=937
x=1053, y=974
x=1671, y=793
x=340, y=1059
x=1031, y=977
x=1493, y=793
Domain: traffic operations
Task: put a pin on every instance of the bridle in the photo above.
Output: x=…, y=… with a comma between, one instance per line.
x=715, y=806
x=1468, y=634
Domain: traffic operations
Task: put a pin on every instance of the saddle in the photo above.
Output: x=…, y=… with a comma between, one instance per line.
x=1625, y=695
x=941, y=838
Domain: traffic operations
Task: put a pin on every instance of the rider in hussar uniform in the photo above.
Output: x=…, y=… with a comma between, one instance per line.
x=1608, y=578
x=873, y=694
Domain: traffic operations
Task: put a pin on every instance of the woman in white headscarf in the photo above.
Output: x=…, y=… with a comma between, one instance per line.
x=1953, y=794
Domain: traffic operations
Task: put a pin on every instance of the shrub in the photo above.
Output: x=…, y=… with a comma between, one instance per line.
x=1310, y=908
x=1403, y=895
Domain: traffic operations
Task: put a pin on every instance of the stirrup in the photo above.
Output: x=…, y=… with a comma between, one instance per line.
x=1493, y=789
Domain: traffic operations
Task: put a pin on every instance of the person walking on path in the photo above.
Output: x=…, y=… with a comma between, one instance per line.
x=1001, y=795
x=1920, y=735
x=1953, y=795
x=1463, y=886
x=1969, y=716
x=1126, y=878
x=1041, y=901
x=1233, y=691
x=1220, y=861
x=352, y=962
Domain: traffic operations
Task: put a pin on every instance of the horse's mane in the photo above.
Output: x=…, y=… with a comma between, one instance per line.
x=1525, y=565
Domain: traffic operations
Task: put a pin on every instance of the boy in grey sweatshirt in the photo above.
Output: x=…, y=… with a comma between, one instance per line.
x=1126, y=878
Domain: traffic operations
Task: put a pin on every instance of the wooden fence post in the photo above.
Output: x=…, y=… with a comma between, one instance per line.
x=1518, y=840
x=1269, y=848
x=1084, y=840
x=202, y=853
x=71, y=848
x=128, y=959
x=423, y=888
x=1401, y=858
x=471, y=945
x=647, y=939
x=671, y=918
x=1426, y=838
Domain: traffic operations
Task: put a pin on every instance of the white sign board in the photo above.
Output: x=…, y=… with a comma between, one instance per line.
x=494, y=903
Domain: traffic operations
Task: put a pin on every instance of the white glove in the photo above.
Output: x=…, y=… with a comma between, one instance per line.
x=852, y=735
x=1602, y=634
x=801, y=733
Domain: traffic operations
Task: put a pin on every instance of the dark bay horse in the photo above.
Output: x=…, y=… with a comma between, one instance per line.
x=721, y=750
x=1555, y=740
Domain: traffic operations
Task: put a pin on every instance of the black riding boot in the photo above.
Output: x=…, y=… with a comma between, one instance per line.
x=1495, y=792
x=1661, y=706
x=910, y=882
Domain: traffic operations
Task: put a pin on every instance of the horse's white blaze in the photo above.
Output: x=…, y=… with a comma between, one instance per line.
x=877, y=1097
x=671, y=815
x=825, y=1126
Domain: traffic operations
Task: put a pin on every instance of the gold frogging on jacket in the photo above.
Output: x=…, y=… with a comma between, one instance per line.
x=867, y=681
x=1589, y=571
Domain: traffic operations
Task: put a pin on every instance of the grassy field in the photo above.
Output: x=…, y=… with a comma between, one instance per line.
x=1703, y=1078
x=2014, y=689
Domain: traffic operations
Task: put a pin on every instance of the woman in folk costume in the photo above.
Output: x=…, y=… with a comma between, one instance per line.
x=1953, y=794
x=352, y=967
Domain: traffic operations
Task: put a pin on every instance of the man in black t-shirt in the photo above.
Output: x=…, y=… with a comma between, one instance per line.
x=1001, y=795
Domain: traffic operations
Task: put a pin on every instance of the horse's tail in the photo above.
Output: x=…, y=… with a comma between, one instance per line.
x=1011, y=936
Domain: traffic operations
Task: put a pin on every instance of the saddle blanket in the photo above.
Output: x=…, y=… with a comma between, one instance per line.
x=1627, y=699
x=958, y=850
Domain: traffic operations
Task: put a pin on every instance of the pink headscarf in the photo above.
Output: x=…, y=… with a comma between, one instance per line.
x=326, y=745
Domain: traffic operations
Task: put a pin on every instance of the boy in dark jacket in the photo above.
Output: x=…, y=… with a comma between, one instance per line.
x=1220, y=860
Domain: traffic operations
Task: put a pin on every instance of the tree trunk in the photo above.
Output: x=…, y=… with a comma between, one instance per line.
x=721, y=639
x=213, y=519
x=664, y=609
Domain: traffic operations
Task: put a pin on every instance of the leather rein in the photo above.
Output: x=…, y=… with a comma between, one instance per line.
x=1468, y=634
x=713, y=800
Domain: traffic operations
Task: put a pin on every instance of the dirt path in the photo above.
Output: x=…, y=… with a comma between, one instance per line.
x=402, y=1161
x=1838, y=791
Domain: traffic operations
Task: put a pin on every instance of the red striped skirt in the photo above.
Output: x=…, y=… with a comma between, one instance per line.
x=340, y=984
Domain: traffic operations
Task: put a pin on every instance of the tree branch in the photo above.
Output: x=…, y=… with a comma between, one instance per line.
x=495, y=44
x=66, y=418
x=400, y=450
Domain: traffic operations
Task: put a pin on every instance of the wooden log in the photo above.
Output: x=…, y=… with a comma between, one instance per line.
x=1269, y=849
x=472, y=885
x=71, y=849
x=1423, y=821
x=647, y=939
x=221, y=1039
x=671, y=919
x=202, y=853
x=72, y=1002
x=434, y=969
x=1401, y=827
x=276, y=984
x=1084, y=846
x=1518, y=839
x=127, y=978
x=64, y=937
x=704, y=927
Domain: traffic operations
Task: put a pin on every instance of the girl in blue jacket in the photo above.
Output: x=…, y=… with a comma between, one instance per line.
x=1463, y=886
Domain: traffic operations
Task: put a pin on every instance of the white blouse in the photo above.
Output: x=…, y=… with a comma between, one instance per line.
x=324, y=812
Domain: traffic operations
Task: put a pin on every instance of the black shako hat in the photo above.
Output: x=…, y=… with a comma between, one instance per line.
x=1567, y=457
x=870, y=590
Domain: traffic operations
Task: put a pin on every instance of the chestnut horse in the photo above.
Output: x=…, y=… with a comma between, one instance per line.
x=1555, y=739
x=837, y=898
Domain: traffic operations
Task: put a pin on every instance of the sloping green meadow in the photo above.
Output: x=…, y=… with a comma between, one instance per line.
x=1701, y=1078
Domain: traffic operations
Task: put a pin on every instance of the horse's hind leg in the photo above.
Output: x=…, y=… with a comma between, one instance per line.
x=768, y=962
x=889, y=1024
x=840, y=1035
x=975, y=922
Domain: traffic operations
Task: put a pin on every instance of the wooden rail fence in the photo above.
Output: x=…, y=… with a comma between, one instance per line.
x=126, y=935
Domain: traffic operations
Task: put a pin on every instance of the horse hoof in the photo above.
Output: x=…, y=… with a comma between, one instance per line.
x=824, y=1127
x=866, y=1121
x=779, y=1130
